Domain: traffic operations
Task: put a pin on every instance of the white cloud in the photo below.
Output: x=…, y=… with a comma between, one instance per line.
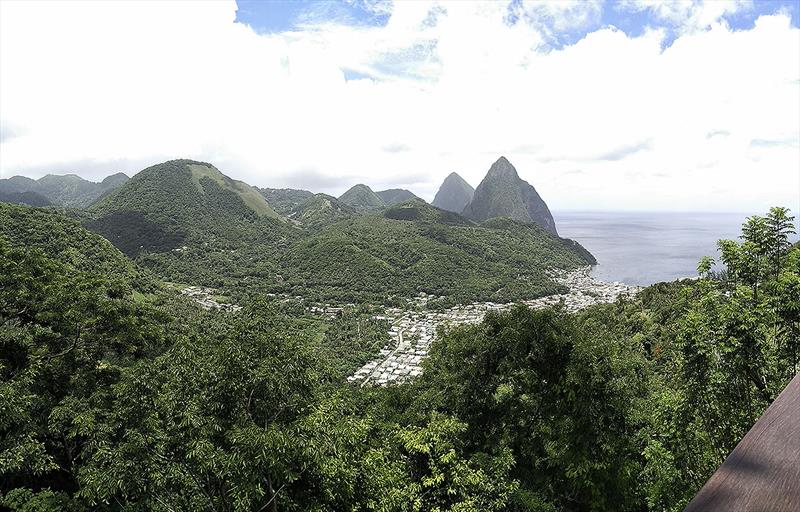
x=610, y=122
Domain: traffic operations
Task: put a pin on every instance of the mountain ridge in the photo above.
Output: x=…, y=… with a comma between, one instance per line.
x=68, y=190
x=393, y=196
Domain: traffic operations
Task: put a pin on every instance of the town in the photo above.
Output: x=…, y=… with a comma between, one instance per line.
x=412, y=331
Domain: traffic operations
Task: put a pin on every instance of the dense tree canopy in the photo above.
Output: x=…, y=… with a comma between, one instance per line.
x=117, y=395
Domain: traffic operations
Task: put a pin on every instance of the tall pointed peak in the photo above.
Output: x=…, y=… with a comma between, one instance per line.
x=502, y=193
x=454, y=193
x=502, y=168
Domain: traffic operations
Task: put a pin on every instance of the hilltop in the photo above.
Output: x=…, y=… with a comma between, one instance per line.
x=182, y=203
x=395, y=196
x=67, y=190
x=189, y=223
x=362, y=198
x=502, y=193
x=454, y=194
x=419, y=210
x=284, y=200
x=24, y=198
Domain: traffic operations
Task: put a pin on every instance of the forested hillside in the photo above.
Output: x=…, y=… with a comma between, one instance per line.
x=414, y=247
x=64, y=190
x=184, y=203
x=362, y=198
x=119, y=400
x=190, y=224
x=284, y=200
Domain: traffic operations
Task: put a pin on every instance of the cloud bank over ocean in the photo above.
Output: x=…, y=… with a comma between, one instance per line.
x=596, y=103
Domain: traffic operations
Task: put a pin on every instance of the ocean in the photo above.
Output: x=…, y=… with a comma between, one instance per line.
x=643, y=248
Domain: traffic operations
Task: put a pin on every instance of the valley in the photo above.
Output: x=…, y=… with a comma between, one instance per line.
x=364, y=350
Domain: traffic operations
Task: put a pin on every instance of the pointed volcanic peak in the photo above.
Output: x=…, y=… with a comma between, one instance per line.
x=362, y=198
x=502, y=193
x=454, y=194
x=395, y=196
x=167, y=204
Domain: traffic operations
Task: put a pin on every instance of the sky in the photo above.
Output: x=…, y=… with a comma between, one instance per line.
x=625, y=105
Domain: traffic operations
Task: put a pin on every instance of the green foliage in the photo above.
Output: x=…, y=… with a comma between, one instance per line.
x=393, y=196
x=321, y=210
x=65, y=336
x=116, y=396
x=352, y=339
x=66, y=241
x=68, y=190
x=557, y=391
x=362, y=198
x=374, y=257
x=285, y=200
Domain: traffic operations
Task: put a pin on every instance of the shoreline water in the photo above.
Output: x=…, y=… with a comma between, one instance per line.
x=643, y=248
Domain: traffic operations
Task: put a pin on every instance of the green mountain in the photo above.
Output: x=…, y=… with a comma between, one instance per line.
x=419, y=210
x=189, y=223
x=503, y=194
x=63, y=190
x=321, y=210
x=174, y=203
x=285, y=200
x=454, y=194
x=414, y=247
x=394, y=196
x=26, y=198
x=362, y=198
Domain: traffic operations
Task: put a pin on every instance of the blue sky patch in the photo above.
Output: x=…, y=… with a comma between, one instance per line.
x=273, y=16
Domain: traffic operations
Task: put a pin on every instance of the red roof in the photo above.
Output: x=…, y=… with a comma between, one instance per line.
x=762, y=474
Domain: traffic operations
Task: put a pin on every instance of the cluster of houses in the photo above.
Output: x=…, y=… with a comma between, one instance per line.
x=412, y=331
x=202, y=296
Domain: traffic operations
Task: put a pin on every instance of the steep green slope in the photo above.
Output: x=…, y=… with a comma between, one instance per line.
x=321, y=210
x=66, y=190
x=247, y=194
x=67, y=241
x=362, y=198
x=189, y=223
x=394, y=196
x=284, y=200
x=375, y=257
x=177, y=202
x=454, y=194
x=503, y=194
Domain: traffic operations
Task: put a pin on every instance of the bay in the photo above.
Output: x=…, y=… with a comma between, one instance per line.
x=643, y=248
